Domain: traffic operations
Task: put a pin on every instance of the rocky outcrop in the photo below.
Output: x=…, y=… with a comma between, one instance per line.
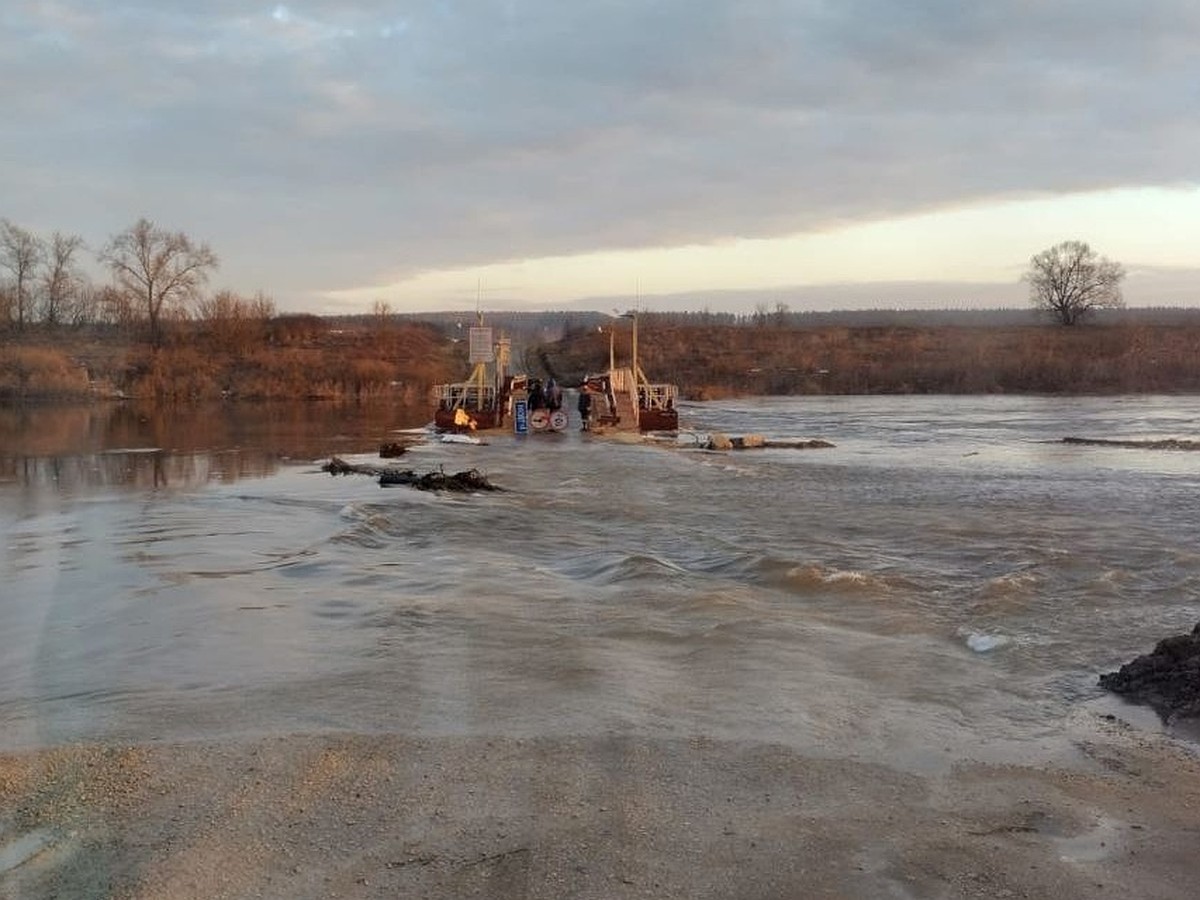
x=1167, y=680
x=719, y=441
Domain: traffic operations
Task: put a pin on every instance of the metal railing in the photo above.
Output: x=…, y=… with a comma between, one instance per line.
x=466, y=394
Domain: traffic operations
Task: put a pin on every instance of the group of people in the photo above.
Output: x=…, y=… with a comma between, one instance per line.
x=594, y=399
x=548, y=396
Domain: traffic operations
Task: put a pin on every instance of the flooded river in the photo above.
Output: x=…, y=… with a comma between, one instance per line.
x=946, y=582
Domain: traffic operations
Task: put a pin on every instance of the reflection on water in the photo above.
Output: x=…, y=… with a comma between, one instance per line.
x=156, y=446
x=151, y=468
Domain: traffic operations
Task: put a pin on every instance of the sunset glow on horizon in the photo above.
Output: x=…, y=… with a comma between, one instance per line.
x=1151, y=227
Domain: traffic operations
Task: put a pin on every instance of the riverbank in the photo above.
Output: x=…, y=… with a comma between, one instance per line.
x=279, y=361
x=719, y=361
x=403, y=360
x=302, y=816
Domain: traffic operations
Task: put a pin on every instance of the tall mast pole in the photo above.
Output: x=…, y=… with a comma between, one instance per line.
x=637, y=303
x=481, y=368
x=636, y=370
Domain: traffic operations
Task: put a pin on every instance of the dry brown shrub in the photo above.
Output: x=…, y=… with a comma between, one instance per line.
x=711, y=361
x=370, y=377
x=177, y=373
x=41, y=373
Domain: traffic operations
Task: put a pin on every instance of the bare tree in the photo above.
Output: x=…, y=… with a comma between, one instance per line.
x=262, y=307
x=61, y=281
x=1070, y=281
x=381, y=310
x=112, y=306
x=20, y=253
x=87, y=304
x=157, y=270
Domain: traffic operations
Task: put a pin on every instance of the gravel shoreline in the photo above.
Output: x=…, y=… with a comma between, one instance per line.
x=317, y=816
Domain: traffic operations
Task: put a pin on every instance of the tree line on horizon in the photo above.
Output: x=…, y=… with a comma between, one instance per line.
x=163, y=335
x=159, y=275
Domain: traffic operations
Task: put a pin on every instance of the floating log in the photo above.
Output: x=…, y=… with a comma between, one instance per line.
x=464, y=482
x=1167, y=680
x=1166, y=444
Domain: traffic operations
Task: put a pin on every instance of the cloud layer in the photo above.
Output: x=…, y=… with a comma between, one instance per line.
x=330, y=145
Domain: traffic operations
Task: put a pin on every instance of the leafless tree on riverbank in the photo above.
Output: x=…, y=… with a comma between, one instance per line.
x=157, y=270
x=62, y=285
x=1070, y=280
x=21, y=254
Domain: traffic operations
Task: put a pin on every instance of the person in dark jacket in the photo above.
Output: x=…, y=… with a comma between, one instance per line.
x=585, y=406
x=537, y=396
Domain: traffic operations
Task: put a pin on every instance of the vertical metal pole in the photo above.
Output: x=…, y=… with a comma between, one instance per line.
x=635, y=362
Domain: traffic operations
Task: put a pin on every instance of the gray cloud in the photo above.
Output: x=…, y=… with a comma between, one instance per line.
x=326, y=144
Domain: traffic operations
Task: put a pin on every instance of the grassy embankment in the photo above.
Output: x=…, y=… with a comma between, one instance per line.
x=723, y=361
x=297, y=357
x=288, y=358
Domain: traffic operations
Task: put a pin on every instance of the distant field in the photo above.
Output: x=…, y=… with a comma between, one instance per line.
x=707, y=355
x=709, y=361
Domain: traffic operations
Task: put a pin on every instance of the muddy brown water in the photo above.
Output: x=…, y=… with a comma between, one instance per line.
x=946, y=581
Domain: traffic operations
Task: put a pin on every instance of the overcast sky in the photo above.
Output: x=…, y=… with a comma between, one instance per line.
x=543, y=152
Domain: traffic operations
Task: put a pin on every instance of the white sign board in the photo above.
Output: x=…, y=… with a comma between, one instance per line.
x=480, y=347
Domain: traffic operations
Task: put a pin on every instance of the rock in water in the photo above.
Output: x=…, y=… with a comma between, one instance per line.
x=1167, y=680
x=750, y=441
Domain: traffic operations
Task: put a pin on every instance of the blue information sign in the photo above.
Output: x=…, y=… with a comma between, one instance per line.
x=521, y=416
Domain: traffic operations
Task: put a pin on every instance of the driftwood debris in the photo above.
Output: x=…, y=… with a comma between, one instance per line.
x=719, y=441
x=1166, y=444
x=464, y=482
x=393, y=449
x=468, y=481
x=1167, y=680
x=800, y=444
x=338, y=466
